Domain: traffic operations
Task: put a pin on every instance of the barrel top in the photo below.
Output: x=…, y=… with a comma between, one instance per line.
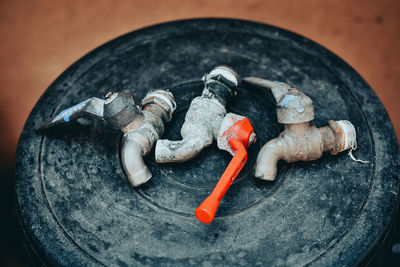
x=77, y=206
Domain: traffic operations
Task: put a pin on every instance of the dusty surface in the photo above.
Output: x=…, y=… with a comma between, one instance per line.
x=41, y=39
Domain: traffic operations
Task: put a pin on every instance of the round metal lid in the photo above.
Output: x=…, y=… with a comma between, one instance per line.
x=76, y=205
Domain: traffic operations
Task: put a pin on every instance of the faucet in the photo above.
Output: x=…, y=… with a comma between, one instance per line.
x=203, y=119
x=140, y=127
x=300, y=141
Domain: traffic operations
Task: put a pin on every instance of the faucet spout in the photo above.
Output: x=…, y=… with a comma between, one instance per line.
x=267, y=160
x=132, y=159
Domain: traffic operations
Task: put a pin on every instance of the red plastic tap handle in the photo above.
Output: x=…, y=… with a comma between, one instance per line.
x=206, y=211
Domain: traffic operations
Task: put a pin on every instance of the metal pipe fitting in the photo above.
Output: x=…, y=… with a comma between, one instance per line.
x=120, y=109
x=299, y=141
x=203, y=118
x=143, y=132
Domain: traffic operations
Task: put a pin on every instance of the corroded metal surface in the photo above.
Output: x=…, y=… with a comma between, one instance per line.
x=299, y=141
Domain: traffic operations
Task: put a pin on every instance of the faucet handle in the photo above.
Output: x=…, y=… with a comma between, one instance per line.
x=234, y=125
x=92, y=107
x=236, y=134
x=118, y=109
x=292, y=105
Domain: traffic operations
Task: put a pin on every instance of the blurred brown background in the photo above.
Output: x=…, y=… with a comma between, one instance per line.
x=40, y=39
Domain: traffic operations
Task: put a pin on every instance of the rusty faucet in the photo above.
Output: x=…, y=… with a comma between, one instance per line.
x=300, y=141
x=140, y=127
x=203, y=119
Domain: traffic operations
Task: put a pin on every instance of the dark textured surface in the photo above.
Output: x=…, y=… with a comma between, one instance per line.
x=76, y=205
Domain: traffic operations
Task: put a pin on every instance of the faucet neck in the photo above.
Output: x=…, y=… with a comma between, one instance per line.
x=298, y=129
x=135, y=124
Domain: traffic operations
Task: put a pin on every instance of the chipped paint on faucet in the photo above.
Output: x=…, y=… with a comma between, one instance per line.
x=203, y=119
x=300, y=141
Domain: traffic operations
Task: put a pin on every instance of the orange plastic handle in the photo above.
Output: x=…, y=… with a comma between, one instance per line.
x=206, y=211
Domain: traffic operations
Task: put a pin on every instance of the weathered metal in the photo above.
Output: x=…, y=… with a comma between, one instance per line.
x=93, y=107
x=300, y=141
x=203, y=119
x=140, y=135
x=120, y=109
x=292, y=105
x=141, y=128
